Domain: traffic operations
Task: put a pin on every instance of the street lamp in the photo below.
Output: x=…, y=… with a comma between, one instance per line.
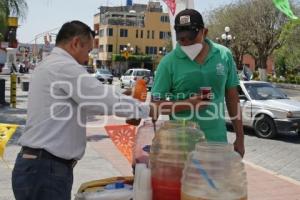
x=163, y=51
x=226, y=37
x=126, y=52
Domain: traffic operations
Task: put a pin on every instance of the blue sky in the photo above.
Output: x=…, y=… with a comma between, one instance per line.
x=44, y=15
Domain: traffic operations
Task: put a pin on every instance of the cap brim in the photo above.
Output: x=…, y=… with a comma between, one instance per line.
x=190, y=35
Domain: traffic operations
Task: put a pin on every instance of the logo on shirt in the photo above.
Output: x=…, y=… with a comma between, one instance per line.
x=220, y=69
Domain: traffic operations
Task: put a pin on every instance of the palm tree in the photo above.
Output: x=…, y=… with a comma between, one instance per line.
x=11, y=8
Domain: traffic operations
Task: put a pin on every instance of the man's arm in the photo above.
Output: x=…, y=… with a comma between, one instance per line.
x=233, y=106
x=170, y=107
x=96, y=98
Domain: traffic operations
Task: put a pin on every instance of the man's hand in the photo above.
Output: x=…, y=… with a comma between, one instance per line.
x=133, y=122
x=239, y=146
x=154, y=112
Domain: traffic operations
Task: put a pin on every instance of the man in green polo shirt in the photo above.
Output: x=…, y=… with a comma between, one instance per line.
x=198, y=62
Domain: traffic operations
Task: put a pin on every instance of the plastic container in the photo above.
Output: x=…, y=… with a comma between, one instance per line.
x=115, y=191
x=140, y=90
x=214, y=171
x=145, y=135
x=142, y=189
x=168, y=153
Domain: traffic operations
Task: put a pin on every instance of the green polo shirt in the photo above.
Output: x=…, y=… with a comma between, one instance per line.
x=177, y=78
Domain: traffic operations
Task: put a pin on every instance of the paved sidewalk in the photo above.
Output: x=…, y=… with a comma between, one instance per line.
x=102, y=160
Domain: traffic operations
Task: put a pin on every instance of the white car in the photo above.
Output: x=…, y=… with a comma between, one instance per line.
x=267, y=109
x=132, y=75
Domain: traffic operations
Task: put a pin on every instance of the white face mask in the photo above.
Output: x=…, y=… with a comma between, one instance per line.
x=192, y=51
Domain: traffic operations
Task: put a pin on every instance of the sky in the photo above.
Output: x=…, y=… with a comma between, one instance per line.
x=45, y=15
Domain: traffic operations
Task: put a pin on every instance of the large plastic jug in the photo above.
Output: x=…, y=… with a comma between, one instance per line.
x=169, y=151
x=214, y=171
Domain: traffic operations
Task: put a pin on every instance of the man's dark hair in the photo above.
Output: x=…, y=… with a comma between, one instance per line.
x=72, y=29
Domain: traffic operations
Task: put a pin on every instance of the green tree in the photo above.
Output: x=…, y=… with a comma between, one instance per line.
x=11, y=8
x=230, y=15
x=256, y=25
x=288, y=54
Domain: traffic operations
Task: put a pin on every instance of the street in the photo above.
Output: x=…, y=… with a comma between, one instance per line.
x=280, y=155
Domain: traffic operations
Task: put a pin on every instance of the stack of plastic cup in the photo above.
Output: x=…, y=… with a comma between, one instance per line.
x=214, y=171
x=169, y=151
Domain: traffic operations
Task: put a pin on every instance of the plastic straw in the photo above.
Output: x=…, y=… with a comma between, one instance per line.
x=204, y=174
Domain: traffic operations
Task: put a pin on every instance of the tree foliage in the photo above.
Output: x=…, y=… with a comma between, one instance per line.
x=11, y=8
x=255, y=24
x=288, y=56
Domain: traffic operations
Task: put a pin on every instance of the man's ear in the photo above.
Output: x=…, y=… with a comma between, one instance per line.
x=75, y=42
x=205, y=32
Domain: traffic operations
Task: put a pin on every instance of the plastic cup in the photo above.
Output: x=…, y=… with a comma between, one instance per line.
x=205, y=92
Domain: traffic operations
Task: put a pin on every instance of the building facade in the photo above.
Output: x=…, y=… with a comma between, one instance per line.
x=133, y=31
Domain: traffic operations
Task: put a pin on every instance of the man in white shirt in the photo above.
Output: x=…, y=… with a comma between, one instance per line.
x=61, y=95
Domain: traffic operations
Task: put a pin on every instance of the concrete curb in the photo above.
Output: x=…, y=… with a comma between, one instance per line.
x=290, y=180
x=287, y=86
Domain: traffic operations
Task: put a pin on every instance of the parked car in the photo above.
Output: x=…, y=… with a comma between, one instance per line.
x=267, y=109
x=90, y=70
x=104, y=76
x=132, y=75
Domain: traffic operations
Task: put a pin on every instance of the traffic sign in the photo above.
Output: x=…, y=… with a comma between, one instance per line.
x=126, y=55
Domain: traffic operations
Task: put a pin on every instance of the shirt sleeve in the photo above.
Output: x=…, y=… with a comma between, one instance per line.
x=162, y=82
x=232, y=76
x=97, y=98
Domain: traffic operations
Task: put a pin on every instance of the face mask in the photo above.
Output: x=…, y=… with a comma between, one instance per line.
x=193, y=50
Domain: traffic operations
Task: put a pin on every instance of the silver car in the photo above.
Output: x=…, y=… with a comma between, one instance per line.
x=104, y=76
x=267, y=109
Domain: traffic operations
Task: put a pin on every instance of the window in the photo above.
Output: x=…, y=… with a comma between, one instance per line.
x=151, y=50
x=109, y=48
x=148, y=34
x=128, y=72
x=153, y=33
x=142, y=33
x=142, y=73
x=101, y=33
x=101, y=48
x=109, y=32
x=165, y=19
x=161, y=35
x=164, y=35
x=123, y=33
x=137, y=34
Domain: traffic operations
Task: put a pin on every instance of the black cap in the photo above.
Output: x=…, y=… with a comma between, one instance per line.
x=188, y=23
